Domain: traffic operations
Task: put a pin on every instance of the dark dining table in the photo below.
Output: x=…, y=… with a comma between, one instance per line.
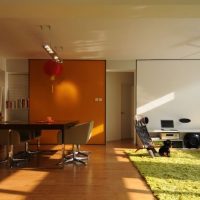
x=35, y=126
x=38, y=125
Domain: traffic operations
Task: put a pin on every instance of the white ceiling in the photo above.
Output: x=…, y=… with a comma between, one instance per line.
x=101, y=29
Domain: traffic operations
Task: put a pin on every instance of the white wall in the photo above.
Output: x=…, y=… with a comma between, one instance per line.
x=17, y=65
x=169, y=89
x=2, y=63
x=120, y=65
x=2, y=85
x=114, y=80
x=2, y=78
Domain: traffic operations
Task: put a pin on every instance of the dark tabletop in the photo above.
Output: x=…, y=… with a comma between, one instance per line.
x=37, y=125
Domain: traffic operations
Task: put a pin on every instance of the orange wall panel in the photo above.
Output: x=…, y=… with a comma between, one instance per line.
x=73, y=96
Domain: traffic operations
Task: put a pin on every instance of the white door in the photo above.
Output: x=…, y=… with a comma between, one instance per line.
x=126, y=111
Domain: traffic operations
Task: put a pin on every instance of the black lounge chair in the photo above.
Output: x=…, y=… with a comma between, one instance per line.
x=143, y=134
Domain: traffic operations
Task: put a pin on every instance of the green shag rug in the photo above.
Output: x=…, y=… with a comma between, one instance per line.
x=170, y=178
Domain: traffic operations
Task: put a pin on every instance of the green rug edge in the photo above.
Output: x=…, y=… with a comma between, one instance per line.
x=185, y=162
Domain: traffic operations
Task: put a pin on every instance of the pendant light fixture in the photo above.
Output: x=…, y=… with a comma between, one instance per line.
x=52, y=53
x=47, y=45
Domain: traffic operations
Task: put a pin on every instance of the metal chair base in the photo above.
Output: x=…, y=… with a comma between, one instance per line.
x=75, y=160
x=73, y=157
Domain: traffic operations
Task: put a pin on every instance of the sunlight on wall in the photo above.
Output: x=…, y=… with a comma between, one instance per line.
x=98, y=130
x=18, y=191
x=156, y=103
x=66, y=92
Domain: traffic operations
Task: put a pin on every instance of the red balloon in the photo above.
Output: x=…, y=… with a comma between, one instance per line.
x=52, y=68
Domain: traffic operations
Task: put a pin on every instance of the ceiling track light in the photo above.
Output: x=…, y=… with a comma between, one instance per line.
x=52, y=53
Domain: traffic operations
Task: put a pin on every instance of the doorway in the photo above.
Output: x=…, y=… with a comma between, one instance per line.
x=126, y=111
x=119, y=105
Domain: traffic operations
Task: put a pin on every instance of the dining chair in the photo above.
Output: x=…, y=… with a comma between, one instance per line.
x=76, y=135
x=35, y=135
x=10, y=138
x=25, y=136
x=5, y=142
x=16, y=139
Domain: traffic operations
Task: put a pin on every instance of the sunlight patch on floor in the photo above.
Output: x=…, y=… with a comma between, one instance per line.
x=24, y=186
x=120, y=155
x=134, y=191
x=128, y=183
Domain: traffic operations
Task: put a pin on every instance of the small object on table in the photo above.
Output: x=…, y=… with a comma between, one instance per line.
x=49, y=119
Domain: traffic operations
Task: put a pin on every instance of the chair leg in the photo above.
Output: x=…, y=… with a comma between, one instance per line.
x=70, y=157
x=63, y=151
x=62, y=156
x=14, y=161
x=151, y=153
x=83, y=153
x=138, y=148
x=6, y=160
x=38, y=144
x=28, y=152
x=3, y=161
x=10, y=159
x=80, y=161
x=69, y=154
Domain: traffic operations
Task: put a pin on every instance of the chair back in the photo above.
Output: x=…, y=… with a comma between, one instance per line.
x=4, y=137
x=143, y=133
x=9, y=137
x=25, y=135
x=79, y=133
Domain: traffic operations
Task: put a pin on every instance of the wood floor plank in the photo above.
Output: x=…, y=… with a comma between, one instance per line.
x=108, y=175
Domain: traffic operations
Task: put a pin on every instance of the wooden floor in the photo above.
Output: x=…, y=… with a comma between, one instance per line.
x=108, y=176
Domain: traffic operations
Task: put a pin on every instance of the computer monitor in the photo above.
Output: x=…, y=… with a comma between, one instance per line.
x=166, y=124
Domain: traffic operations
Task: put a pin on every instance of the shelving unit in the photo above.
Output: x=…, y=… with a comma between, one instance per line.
x=17, y=102
x=176, y=142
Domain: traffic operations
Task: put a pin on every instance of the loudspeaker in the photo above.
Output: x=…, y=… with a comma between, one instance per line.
x=184, y=120
x=192, y=140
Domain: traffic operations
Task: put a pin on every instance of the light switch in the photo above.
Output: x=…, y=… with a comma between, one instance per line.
x=100, y=99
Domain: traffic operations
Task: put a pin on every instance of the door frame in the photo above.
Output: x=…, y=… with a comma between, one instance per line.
x=133, y=70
